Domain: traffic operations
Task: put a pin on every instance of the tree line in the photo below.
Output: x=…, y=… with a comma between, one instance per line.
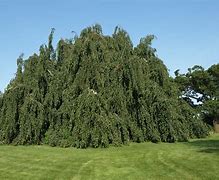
x=95, y=90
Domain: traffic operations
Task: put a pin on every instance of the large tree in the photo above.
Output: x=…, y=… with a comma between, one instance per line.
x=94, y=91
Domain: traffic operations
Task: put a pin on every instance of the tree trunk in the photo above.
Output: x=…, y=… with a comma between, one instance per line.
x=216, y=125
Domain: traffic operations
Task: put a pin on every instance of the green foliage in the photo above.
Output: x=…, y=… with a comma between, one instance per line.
x=95, y=91
x=203, y=86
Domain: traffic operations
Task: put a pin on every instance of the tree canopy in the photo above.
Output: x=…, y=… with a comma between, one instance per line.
x=95, y=90
x=200, y=88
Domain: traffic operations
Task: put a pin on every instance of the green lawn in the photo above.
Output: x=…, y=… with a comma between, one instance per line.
x=197, y=159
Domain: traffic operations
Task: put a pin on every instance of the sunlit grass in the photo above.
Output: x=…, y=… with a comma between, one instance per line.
x=196, y=159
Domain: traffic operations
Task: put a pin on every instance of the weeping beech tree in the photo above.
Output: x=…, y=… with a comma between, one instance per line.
x=93, y=91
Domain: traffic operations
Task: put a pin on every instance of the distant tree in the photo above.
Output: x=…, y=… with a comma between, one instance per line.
x=201, y=88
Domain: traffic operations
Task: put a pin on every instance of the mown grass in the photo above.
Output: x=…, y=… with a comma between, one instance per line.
x=196, y=159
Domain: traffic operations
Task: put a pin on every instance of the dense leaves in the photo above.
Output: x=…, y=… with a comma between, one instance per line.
x=93, y=91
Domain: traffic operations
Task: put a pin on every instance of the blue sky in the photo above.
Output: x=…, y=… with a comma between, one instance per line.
x=187, y=31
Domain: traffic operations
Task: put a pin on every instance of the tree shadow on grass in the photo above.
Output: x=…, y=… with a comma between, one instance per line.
x=206, y=145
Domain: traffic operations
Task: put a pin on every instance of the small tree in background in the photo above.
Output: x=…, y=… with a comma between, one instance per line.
x=201, y=88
